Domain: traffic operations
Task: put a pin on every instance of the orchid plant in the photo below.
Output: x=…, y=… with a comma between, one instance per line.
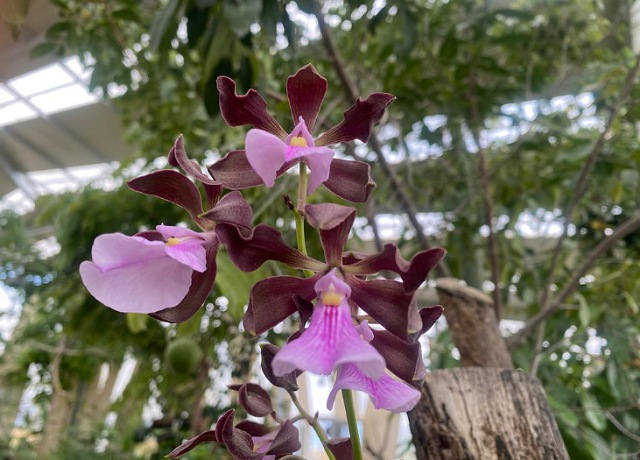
x=169, y=272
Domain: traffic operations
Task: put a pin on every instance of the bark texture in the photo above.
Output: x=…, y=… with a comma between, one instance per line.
x=473, y=325
x=476, y=413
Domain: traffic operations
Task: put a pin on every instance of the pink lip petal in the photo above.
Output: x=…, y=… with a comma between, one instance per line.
x=115, y=250
x=265, y=153
x=319, y=160
x=190, y=253
x=169, y=231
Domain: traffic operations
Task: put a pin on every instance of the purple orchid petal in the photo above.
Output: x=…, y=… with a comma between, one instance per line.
x=250, y=251
x=429, y=316
x=249, y=109
x=403, y=358
x=306, y=90
x=187, y=446
x=255, y=400
x=234, y=171
x=334, y=223
x=341, y=448
x=331, y=282
x=174, y=231
x=178, y=157
x=330, y=340
x=201, y=285
x=133, y=275
x=265, y=153
x=358, y=120
x=412, y=272
x=350, y=180
x=239, y=443
x=385, y=393
x=287, y=381
x=300, y=130
x=170, y=186
x=190, y=253
x=271, y=301
x=232, y=209
x=388, y=303
x=319, y=160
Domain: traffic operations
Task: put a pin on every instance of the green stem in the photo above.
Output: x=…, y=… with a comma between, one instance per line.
x=352, y=420
x=302, y=188
x=298, y=213
x=313, y=422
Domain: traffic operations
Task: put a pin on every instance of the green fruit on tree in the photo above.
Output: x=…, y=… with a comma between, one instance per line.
x=183, y=355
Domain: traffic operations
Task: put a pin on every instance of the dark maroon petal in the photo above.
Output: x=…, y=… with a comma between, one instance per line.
x=178, y=157
x=271, y=301
x=212, y=192
x=429, y=316
x=334, y=223
x=358, y=120
x=249, y=250
x=350, y=180
x=253, y=428
x=201, y=285
x=341, y=448
x=412, y=272
x=234, y=171
x=223, y=422
x=249, y=109
x=207, y=436
x=231, y=209
x=388, y=303
x=287, y=381
x=255, y=400
x=238, y=442
x=306, y=90
x=170, y=186
x=286, y=441
x=403, y=358
x=305, y=309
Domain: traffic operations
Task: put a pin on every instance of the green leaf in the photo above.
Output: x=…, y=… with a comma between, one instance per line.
x=126, y=15
x=612, y=377
x=593, y=412
x=43, y=49
x=584, y=313
x=633, y=305
x=241, y=14
x=160, y=27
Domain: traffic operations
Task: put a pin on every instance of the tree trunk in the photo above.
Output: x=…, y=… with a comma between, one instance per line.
x=487, y=410
x=477, y=413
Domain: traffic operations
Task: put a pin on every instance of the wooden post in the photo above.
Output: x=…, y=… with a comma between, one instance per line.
x=476, y=413
x=485, y=410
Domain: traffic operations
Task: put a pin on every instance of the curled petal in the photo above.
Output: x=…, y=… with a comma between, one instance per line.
x=239, y=443
x=385, y=393
x=287, y=381
x=265, y=153
x=190, y=253
x=388, y=303
x=234, y=171
x=133, y=275
x=358, y=120
x=272, y=300
x=412, y=272
x=250, y=250
x=429, y=316
x=255, y=400
x=330, y=340
x=334, y=223
x=248, y=109
x=286, y=441
x=201, y=285
x=178, y=157
x=232, y=209
x=350, y=180
x=341, y=448
x=170, y=186
x=305, y=91
x=207, y=436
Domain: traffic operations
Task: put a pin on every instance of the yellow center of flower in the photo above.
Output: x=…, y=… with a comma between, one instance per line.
x=331, y=298
x=172, y=241
x=298, y=141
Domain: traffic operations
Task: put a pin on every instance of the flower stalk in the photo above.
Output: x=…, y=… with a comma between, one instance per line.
x=352, y=421
x=313, y=422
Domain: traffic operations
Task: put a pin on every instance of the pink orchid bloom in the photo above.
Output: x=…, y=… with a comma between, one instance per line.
x=138, y=274
x=385, y=392
x=270, y=151
x=331, y=339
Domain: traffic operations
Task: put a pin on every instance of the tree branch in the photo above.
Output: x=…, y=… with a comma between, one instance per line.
x=630, y=225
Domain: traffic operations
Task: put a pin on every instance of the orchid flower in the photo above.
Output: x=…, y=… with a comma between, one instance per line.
x=270, y=150
x=330, y=340
x=391, y=303
x=170, y=272
x=247, y=440
x=385, y=392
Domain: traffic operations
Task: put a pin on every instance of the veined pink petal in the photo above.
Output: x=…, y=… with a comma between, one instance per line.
x=385, y=393
x=319, y=160
x=265, y=153
x=330, y=340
